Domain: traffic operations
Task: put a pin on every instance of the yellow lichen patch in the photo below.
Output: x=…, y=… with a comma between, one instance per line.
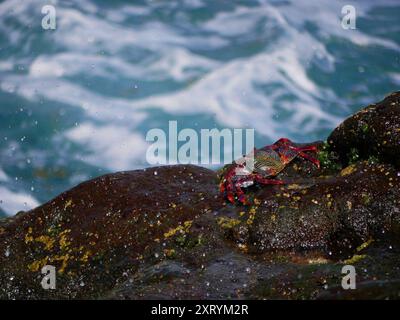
x=66, y=252
x=318, y=261
x=140, y=257
x=170, y=253
x=364, y=245
x=243, y=247
x=63, y=259
x=86, y=256
x=46, y=240
x=252, y=215
x=63, y=241
x=28, y=236
x=68, y=204
x=348, y=170
x=64, y=262
x=38, y=264
x=227, y=223
x=293, y=186
x=182, y=229
x=355, y=258
x=273, y=218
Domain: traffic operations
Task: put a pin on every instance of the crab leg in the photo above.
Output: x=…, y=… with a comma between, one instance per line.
x=228, y=185
x=306, y=148
x=237, y=190
x=240, y=194
x=310, y=158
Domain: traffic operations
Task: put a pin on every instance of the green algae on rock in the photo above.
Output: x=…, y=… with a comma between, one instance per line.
x=373, y=131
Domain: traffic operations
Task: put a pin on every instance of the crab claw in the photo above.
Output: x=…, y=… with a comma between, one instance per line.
x=230, y=187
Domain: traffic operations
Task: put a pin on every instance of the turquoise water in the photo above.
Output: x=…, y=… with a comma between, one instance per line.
x=76, y=102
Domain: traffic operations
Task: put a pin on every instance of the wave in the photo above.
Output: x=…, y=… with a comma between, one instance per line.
x=281, y=67
x=11, y=202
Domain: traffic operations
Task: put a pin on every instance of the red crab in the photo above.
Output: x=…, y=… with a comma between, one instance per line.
x=268, y=162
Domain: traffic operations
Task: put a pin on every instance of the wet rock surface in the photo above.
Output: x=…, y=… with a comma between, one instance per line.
x=167, y=233
x=372, y=132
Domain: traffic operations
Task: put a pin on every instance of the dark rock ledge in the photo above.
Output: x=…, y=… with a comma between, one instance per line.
x=166, y=232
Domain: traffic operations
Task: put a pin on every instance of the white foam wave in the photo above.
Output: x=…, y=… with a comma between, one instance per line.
x=3, y=176
x=241, y=90
x=177, y=64
x=96, y=105
x=11, y=202
x=111, y=146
